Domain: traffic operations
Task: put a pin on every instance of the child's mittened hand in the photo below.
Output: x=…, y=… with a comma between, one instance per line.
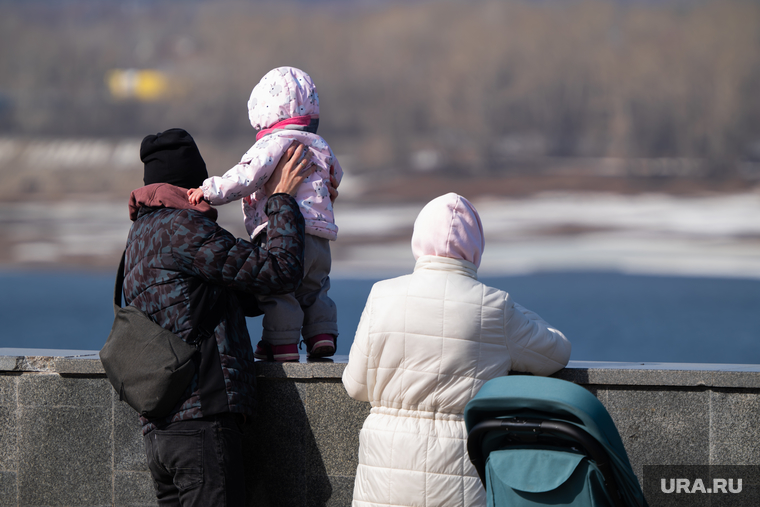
x=195, y=195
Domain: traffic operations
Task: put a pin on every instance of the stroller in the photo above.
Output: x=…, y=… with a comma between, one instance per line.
x=545, y=441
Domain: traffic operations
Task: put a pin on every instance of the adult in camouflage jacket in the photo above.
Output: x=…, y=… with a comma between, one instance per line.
x=177, y=258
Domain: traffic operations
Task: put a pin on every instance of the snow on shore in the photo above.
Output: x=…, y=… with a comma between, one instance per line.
x=647, y=234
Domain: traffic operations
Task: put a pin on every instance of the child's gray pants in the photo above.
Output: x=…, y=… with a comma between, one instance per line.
x=309, y=310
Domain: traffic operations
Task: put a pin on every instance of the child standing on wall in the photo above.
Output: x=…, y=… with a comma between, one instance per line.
x=284, y=107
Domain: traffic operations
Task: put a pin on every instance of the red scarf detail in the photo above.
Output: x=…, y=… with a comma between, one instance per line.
x=164, y=195
x=297, y=121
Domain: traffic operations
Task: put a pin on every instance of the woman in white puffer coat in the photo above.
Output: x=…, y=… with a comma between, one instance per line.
x=425, y=345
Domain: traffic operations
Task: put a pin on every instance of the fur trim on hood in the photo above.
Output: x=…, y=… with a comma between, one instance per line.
x=164, y=195
x=284, y=92
x=449, y=226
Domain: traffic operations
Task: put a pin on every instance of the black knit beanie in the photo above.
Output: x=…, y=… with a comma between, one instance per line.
x=172, y=157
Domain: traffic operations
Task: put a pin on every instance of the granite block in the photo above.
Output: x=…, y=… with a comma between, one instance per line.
x=303, y=369
x=129, y=449
x=271, y=369
x=51, y=361
x=8, y=397
x=335, y=420
x=79, y=365
x=325, y=369
x=661, y=427
x=740, y=379
x=638, y=377
x=735, y=434
x=600, y=393
x=8, y=439
x=134, y=489
x=274, y=445
x=65, y=456
x=52, y=390
x=341, y=492
x=8, y=363
x=662, y=374
x=8, y=489
x=67, y=440
x=319, y=490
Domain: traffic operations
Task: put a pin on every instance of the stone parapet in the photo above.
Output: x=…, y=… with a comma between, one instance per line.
x=66, y=439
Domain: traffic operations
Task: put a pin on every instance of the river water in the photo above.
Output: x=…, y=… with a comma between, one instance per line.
x=626, y=278
x=607, y=316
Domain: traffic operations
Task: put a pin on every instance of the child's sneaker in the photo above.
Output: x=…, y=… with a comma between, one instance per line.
x=279, y=353
x=321, y=345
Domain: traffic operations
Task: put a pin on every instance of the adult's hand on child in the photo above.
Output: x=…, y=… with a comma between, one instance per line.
x=291, y=171
x=195, y=195
x=332, y=185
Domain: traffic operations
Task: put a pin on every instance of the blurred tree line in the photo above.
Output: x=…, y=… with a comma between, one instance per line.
x=449, y=85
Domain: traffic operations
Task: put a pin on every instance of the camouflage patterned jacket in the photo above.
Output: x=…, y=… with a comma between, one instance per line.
x=177, y=255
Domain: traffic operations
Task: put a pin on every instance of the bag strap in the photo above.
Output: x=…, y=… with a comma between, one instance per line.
x=118, y=288
x=202, y=330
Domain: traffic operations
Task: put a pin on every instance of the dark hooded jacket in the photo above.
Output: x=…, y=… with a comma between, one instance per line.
x=178, y=258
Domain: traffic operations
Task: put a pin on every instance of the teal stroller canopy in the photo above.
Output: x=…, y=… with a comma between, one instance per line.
x=545, y=441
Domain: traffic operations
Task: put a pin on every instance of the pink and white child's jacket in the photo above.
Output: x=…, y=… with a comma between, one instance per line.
x=285, y=107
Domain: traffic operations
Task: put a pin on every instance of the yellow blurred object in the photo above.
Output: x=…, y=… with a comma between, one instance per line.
x=143, y=85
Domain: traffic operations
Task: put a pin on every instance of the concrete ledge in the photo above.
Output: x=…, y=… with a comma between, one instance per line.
x=662, y=374
x=80, y=362
x=65, y=439
x=83, y=362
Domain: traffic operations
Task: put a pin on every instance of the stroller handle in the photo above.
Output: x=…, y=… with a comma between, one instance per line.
x=537, y=427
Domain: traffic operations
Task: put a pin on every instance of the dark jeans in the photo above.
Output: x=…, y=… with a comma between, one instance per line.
x=198, y=462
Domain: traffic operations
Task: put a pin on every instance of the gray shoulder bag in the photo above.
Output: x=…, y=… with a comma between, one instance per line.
x=149, y=366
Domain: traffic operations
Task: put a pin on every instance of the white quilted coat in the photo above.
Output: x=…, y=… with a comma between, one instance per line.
x=425, y=345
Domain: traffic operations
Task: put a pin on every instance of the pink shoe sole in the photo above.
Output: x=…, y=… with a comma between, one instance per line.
x=322, y=348
x=279, y=353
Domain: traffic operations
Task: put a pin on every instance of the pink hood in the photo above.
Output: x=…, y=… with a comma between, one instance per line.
x=284, y=92
x=449, y=226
